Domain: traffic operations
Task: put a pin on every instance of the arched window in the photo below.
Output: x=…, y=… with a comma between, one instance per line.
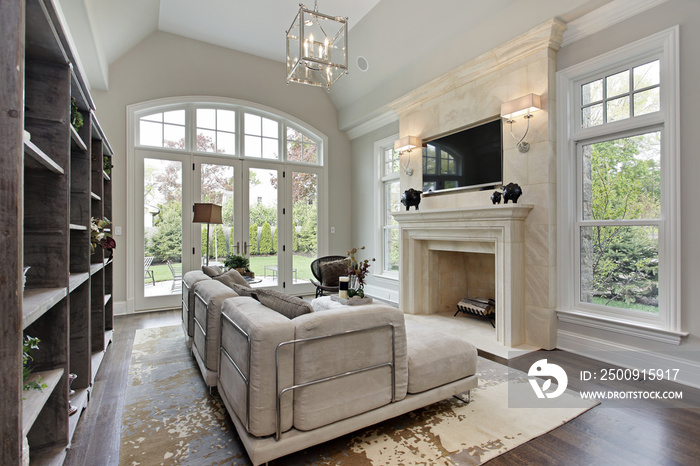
x=265, y=168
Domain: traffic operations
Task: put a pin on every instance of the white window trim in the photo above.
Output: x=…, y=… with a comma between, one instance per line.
x=379, y=147
x=133, y=112
x=190, y=106
x=667, y=326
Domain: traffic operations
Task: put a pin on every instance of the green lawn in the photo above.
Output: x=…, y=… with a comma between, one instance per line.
x=302, y=264
x=624, y=305
x=161, y=272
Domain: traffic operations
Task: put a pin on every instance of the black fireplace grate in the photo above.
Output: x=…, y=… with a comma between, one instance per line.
x=479, y=307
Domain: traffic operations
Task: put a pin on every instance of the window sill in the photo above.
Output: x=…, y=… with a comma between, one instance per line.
x=635, y=329
x=387, y=277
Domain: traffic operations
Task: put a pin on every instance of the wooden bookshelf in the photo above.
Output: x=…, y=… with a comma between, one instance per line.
x=53, y=184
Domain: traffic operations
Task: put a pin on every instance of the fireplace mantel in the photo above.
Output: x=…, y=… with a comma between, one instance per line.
x=491, y=212
x=497, y=230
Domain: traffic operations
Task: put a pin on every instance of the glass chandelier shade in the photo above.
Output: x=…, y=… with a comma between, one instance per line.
x=317, y=48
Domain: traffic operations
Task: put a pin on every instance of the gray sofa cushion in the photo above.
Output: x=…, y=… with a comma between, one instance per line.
x=436, y=358
x=232, y=277
x=327, y=402
x=212, y=271
x=267, y=329
x=245, y=291
x=207, y=312
x=331, y=271
x=289, y=306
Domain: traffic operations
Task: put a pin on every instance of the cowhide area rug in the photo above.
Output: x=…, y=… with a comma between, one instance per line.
x=171, y=418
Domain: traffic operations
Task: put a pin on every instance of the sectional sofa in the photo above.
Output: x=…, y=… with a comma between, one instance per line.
x=291, y=378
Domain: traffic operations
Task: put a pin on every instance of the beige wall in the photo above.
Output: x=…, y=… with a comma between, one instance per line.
x=166, y=65
x=686, y=14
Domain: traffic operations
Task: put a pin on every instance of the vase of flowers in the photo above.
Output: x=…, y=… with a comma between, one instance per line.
x=357, y=272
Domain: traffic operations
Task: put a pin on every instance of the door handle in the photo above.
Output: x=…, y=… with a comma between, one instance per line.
x=238, y=247
x=245, y=248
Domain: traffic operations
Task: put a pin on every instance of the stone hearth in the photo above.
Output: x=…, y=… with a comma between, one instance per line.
x=427, y=238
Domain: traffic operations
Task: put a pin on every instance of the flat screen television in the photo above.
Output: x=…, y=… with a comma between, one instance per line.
x=468, y=159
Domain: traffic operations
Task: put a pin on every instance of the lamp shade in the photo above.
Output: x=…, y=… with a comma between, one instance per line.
x=407, y=143
x=207, y=213
x=521, y=106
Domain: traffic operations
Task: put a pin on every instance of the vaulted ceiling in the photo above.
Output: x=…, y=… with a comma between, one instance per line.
x=405, y=42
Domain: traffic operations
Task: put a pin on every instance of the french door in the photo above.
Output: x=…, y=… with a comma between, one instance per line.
x=163, y=197
x=269, y=212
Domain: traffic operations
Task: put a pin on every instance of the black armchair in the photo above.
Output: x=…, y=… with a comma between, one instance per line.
x=330, y=284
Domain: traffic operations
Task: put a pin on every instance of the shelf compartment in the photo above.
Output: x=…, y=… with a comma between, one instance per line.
x=34, y=400
x=51, y=456
x=80, y=401
x=108, y=338
x=77, y=279
x=97, y=358
x=98, y=133
x=77, y=140
x=36, y=302
x=94, y=268
x=39, y=160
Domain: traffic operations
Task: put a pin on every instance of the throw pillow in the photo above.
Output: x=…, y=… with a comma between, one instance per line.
x=330, y=271
x=288, y=306
x=213, y=271
x=232, y=277
x=244, y=290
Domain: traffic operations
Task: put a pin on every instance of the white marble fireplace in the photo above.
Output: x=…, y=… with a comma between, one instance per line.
x=445, y=252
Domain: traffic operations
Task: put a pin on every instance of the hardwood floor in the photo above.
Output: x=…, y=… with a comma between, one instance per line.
x=606, y=435
x=97, y=438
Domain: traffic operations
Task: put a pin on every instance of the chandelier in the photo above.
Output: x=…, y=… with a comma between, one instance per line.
x=317, y=48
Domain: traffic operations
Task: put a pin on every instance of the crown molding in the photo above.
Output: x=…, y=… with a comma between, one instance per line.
x=372, y=124
x=604, y=17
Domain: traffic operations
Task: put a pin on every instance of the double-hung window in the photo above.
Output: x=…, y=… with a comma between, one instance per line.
x=391, y=202
x=618, y=188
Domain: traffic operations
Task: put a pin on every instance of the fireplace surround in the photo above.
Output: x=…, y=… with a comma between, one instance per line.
x=430, y=243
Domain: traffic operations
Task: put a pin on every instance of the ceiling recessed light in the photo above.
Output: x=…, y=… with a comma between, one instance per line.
x=362, y=63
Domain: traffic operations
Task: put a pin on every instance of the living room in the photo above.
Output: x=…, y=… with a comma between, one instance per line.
x=407, y=79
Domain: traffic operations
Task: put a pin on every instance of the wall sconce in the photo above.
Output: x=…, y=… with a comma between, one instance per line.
x=523, y=106
x=207, y=213
x=407, y=144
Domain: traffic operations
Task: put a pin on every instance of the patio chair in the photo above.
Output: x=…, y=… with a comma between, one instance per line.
x=147, y=273
x=176, y=270
x=329, y=284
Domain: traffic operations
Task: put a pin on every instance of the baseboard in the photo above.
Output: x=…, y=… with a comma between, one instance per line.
x=385, y=294
x=120, y=308
x=629, y=356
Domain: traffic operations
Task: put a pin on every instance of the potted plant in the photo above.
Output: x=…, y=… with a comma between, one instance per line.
x=30, y=344
x=76, y=118
x=240, y=263
x=100, y=236
x=107, y=165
